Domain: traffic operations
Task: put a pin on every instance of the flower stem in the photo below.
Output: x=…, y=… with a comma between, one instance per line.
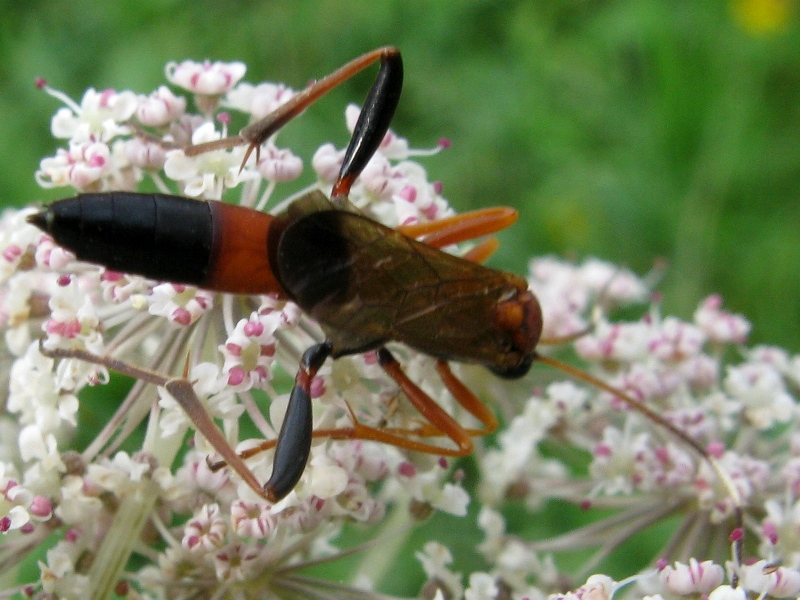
x=131, y=517
x=394, y=534
x=117, y=546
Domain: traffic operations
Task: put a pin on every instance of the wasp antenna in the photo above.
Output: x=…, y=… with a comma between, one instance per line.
x=641, y=408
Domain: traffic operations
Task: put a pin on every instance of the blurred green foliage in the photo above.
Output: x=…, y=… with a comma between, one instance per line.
x=631, y=130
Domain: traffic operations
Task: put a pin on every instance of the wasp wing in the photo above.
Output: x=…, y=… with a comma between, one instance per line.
x=367, y=284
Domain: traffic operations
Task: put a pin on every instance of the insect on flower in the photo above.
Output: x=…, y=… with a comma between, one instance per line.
x=365, y=284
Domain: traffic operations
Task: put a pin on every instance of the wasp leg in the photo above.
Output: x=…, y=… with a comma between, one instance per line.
x=465, y=398
x=294, y=440
x=379, y=106
x=481, y=252
x=181, y=389
x=359, y=431
x=439, y=422
x=468, y=400
x=434, y=414
x=462, y=227
x=373, y=121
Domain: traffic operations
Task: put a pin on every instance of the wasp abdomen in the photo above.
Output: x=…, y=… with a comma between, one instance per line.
x=162, y=237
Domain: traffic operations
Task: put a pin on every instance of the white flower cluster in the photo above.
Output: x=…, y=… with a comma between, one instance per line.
x=119, y=141
x=199, y=531
x=743, y=413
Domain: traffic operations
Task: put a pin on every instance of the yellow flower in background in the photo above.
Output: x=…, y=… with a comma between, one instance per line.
x=763, y=17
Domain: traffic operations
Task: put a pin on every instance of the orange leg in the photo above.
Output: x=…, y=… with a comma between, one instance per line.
x=438, y=424
x=468, y=400
x=481, y=252
x=462, y=394
x=434, y=414
x=463, y=227
x=257, y=133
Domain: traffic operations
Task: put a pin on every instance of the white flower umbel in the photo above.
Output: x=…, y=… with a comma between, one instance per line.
x=198, y=531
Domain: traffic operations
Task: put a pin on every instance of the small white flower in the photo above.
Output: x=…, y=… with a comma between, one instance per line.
x=597, y=587
x=209, y=174
x=779, y=529
x=59, y=578
x=160, y=108
x=701, y=372
x=721, y=326
x=677, y=341
x=99, y=117
x=749, y=475
x=181, y=304
x=15, y=501
x=77, y=507
x=694, y=578
x=772, y=355
x=326, y=162
x=83, y=166
x=15, y=518
x=615, y=341
x=35, y=395
x=762, y=391
x=325, y=479
x=74, y=321
x=494, y=528
x=427, y=487
x=518, y=444
x=412, y=189
x=206, y=531
x=237, y=562
x=16, y=238
x=120, y=474
x=249, y=351
x=278, y=165
x=145, y=155
x=793, y=370
x=618, y=461
x=482, y=586
x=252, y=519
x=380, y=180
x=206, y=78
x=562, y=296
x=612, y=284
x=772, y=580
x=434, y=558
x=258, y=100
x=39, y=446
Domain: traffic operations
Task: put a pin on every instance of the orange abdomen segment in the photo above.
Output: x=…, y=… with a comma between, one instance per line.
x=239, y=261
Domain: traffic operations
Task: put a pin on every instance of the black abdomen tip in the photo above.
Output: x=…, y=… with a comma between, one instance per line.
x=168, y=238
x=41, y=219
